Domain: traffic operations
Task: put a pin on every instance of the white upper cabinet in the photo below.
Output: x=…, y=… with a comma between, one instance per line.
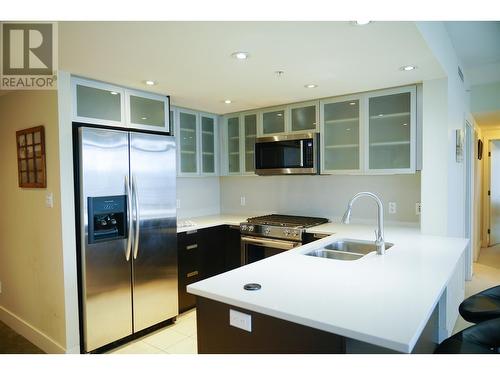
x=147, y=111
x=97, y=102
x=187, y=142
x=273, y=121
x=369, y=133
x=100, y=103
x=197, y=143
x=239, y=135
x=341, y=136
x=391, y=131
x=304, y=117
x=209, y=132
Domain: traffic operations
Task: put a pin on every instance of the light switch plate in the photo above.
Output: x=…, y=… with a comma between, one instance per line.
x=49, y=200
x=392, y=207
x=240, y=320
x=178, y=203
x=243, y=201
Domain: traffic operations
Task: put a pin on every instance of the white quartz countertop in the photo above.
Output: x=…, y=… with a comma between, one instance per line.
x=382, y=300
x=200, y=222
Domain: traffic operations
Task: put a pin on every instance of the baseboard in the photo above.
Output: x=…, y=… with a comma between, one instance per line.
x=31, y=333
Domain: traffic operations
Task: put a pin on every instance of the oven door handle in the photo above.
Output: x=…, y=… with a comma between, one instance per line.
x=277, y=244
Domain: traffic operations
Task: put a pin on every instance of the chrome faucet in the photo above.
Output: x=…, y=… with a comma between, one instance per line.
x=379, y=233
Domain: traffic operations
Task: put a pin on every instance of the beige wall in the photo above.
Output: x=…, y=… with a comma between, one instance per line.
x=31, y=273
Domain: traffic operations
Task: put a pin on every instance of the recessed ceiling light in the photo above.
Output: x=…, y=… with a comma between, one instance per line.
x=240, y=55
x=113, y=93
x=310, y=86
x=380, y=115
x=408, y=68
x=405, y=124
x=352, y=103
x=228, y=101
x=348, y=129
x=150, y=82
x=144, y=118
x=279, y=114
x=361, y=22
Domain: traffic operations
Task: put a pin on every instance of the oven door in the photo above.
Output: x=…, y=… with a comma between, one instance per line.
x=258, y=248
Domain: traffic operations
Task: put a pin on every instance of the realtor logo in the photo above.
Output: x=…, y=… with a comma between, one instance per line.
x=28, y=55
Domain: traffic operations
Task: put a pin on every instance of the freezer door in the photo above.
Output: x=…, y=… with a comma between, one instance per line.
x=152, y=168
x=105, y=271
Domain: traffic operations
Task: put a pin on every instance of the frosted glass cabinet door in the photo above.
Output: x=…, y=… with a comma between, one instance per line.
x=187, y=142
x=147, y=111
x=207, y=144
x=273, y=122
x=233, y=144
x=99, y=103
x=250, y=129
x=341, y=135
x=304, y=118
x=390, y=138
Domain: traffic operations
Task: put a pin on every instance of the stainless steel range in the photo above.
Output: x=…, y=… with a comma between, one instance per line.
x=265, y=236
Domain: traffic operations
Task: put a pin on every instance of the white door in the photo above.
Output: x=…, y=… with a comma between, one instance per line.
x=495, y=193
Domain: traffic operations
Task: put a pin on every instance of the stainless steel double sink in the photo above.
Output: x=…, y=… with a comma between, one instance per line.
x=346, y=249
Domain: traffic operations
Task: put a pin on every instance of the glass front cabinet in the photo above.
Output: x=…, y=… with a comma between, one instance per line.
x=197, y=143
x=240, y=132
x=369, y=133
x=100, y=103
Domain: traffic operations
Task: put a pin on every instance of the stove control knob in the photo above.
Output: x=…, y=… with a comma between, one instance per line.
x=244, y=227
x=295, y=233
x=286, y=232
x=250, y=228
x=267, y=231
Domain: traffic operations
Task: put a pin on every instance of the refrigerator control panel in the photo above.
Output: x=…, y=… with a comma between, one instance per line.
x=107, y=218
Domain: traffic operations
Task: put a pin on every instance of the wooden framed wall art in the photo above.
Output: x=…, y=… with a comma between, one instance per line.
x=31, y=157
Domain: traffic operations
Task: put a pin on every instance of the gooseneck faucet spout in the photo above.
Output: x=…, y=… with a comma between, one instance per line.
x=379, y=233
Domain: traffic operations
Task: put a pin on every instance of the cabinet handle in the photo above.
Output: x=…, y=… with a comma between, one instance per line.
x=191, y=274
x=191, y=247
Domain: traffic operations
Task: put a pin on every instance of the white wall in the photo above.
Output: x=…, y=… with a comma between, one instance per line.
x=198, y=196
x=323, y=196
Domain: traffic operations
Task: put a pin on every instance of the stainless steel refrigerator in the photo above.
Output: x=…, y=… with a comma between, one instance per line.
x=127, y=206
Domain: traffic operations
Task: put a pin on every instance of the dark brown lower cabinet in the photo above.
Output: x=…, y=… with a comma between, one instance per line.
x=269, y=335
x=205, y=253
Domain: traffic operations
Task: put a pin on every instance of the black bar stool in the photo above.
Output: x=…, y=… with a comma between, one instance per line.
x=482, y=338
x=481, y=306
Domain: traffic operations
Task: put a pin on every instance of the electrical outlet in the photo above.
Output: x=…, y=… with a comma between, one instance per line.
x=240, y=320
x=49, y=200
x=392, y=207
x=243, y=201
x=178, y=202
x=418, y=208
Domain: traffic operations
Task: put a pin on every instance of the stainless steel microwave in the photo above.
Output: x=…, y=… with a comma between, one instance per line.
x=287, y=154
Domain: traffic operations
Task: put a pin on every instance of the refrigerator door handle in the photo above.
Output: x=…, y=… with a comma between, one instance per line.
x=137, y=216
x=129, y=219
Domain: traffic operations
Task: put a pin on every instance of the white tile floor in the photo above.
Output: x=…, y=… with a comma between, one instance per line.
x=180, y=338
x=486, y=275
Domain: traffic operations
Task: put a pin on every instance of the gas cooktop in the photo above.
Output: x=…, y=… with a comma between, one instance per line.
x=287, y=220
x=279, y=226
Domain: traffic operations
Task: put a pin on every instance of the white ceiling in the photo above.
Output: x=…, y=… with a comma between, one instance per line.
x=191, y=60
x=476, y=43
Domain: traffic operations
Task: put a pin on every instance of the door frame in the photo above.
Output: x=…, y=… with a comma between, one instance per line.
x=469, y=198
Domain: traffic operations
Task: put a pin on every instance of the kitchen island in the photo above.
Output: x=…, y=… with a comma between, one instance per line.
x=376, y=304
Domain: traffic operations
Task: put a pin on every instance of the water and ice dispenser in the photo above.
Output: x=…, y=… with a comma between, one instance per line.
x=107, y=218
